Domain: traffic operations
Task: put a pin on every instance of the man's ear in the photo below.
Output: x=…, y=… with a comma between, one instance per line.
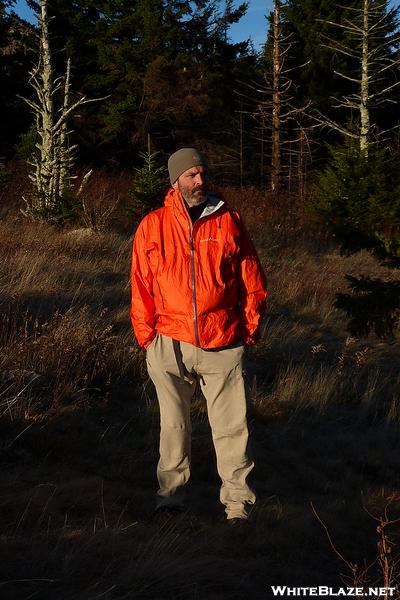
x=175, y=185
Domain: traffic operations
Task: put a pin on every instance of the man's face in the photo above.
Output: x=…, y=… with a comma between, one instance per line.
x=193, y=185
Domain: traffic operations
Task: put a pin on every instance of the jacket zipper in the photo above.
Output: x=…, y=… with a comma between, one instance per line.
x=190, y=229
x=196, y=329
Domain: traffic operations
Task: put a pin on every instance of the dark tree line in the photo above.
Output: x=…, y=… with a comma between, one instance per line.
x=315, y=114
x=169, y=70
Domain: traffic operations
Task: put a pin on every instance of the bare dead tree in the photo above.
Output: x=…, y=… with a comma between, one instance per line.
x=274, y=104
x=53, y=161
x=303, y=156
x=277, y=92
x=370, y=48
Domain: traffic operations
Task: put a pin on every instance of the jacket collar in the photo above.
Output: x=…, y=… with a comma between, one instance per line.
x=213, y=203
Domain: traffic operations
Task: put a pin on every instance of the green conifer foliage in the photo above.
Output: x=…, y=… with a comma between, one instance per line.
x=359, y=190
x=313, y=64
x=150, y=185
x=166, y=66
x=349, y=57
x=16, y=43
x=358, y=196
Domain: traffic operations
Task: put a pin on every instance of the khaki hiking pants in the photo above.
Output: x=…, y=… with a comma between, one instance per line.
x=175, y=368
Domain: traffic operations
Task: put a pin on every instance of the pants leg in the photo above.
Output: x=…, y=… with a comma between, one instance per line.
x=221, y=378
x=173, y=469
x=224, y=387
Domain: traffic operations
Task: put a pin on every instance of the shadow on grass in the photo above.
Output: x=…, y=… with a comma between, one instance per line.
x=77, y=490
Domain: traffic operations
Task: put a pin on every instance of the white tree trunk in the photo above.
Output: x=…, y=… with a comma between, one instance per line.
x=53, y=162
x=370, y=48
x=45, y=184
x=276, y=102
x=364, y=95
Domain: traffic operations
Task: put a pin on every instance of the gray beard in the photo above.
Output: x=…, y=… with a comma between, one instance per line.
x=195, y=200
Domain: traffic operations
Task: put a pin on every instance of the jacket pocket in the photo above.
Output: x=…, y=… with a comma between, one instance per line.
x=156, y=277
x=228, y=271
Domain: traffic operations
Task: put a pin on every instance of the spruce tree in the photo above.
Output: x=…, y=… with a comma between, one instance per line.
x=150, y=185
x=168, y=66
x=358, y=196
x=313, y=65
x=16, y=44
x=359, y=192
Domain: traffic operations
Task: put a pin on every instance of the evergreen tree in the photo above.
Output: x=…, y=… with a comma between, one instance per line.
x=359, y=192
x=314, y=65
x=167, y=65
x=16, y=43
x=358, y=196
x=150, y=185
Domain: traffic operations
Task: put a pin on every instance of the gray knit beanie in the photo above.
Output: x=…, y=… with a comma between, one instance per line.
x=184, y=159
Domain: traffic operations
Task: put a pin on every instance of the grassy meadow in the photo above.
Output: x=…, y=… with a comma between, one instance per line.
x=79, y=422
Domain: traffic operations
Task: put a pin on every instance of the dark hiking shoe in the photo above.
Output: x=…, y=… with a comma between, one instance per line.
x=238, y=523
x=173, y=518
x=163, y=513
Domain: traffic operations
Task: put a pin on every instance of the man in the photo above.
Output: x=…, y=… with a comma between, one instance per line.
x=198, y=298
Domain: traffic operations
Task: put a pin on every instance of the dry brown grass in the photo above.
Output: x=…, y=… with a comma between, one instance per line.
x=79, y=425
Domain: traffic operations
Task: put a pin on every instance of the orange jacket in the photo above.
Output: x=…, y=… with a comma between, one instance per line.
x=202, y=283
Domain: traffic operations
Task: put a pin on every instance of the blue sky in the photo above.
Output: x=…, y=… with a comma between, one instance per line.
x=253, y=24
